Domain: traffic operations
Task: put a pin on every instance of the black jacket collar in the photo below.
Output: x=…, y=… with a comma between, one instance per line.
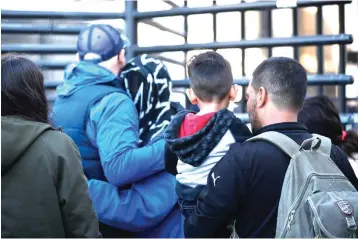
x=288, y=127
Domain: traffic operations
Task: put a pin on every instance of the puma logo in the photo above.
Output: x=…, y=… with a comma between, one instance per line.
x=214, y=179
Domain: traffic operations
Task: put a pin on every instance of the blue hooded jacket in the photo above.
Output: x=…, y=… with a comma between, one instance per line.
x=112, y=127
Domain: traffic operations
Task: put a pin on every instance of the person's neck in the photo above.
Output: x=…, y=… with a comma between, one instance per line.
x=109, y=67
x=277, y=117
x=206, y=108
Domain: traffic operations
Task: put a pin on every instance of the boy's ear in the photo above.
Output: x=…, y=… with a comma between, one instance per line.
x=191, y=95
x=235, y=94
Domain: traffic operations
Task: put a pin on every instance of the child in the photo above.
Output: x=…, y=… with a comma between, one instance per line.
x=200, y=140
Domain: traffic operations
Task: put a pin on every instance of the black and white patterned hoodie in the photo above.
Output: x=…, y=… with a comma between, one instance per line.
x=194, y=156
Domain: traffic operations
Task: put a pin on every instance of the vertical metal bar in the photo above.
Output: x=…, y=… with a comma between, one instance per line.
x=243, y=36
x=131, y=26
x=269, y=30
x=214, y=22
x=187, y=101
x=320, y=53
x=342, y=59
x=185, y=39
x=266, y=27
x=296, y=51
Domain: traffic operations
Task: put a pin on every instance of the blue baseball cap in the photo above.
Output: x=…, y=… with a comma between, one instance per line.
x=101, y=39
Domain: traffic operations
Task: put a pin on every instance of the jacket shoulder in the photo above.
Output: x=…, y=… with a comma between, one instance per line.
x=239, y=130
x=56, y=141
x=112, y=101
x=59, y=148
x=258, y=154
x=112, y=107
x=339, y=158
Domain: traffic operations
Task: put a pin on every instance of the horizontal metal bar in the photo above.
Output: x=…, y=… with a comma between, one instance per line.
x=345, y=118
x=39, y=29
x=170, y=60
x=171, y=3
x=348, y=118
x=10, y=14
x=185, y=83
x=39, y=49
x=243, y=116
x=162, y=27
x=52, y=65
x=328, y=79
x=60, y=65
x=248, y=6
x=51, y=85
x=263, y=42
x=53, y=29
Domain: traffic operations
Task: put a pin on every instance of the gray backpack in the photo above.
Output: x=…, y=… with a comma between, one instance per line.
x=317, y=200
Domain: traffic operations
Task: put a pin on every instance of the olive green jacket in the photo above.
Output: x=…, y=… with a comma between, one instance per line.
x=43, y=189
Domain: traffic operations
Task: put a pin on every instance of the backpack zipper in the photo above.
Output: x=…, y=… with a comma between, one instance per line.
x=290, y=220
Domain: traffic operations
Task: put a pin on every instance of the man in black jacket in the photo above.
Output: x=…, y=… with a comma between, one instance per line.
x=244, y=188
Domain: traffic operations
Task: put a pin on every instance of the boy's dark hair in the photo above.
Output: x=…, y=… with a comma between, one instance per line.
x=321, y=116
x=210, y=76
x=22, y=89
x=285, y=81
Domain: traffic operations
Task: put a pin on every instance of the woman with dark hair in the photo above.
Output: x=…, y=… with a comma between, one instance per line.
x=321, y=116
x=44, y=192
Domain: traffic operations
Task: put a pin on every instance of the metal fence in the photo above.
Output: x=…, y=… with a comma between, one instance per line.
x=132, y=17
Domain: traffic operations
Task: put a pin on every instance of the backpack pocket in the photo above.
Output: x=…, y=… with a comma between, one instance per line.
x=334, y=214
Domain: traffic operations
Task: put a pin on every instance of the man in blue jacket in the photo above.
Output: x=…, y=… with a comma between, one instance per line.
x=127, y=184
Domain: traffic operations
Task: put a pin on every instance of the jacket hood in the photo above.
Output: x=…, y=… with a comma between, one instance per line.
x=195, y=148
x=17, y=135
x=83, y=74
x=193, y=123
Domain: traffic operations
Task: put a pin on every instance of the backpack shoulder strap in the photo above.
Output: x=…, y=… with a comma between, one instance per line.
x=326, y=144
x=281, y=141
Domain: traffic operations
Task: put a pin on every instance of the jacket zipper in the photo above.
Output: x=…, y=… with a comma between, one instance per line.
x=290, y=220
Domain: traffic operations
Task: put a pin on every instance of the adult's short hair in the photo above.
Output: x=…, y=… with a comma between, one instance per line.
x=210, y=76
x=284, y=79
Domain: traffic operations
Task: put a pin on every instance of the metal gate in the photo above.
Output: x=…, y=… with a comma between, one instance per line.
x=133, y=17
